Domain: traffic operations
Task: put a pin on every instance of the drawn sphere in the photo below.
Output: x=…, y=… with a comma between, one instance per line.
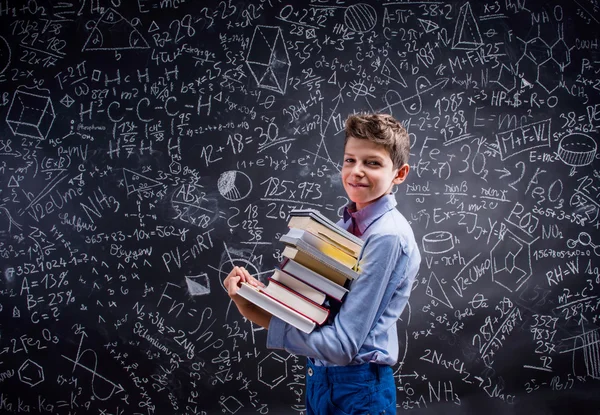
x=4, y=54
x=234, y=185
x=360, y=18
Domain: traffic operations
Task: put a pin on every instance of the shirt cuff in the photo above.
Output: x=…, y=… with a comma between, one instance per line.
x=275, y=333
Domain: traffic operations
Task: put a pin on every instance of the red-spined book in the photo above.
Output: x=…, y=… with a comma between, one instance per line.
x=257, y=296
x=296, y=301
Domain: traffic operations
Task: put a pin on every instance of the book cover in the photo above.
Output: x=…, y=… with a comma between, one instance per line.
x=295, y=234
x=256, y=296
x=313, y=279
x=296, y=302
x=299, y=286
x=350, y=246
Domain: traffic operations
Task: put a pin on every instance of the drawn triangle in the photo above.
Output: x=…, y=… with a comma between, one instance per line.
x=525, y=83
x=436, y=291
x=198, y=284
x=428, y=25
x=113, y=32
x=79, y=177
x=153, y=27
x=12, y=182
x=332, y=78
x=389, y=69
x=135, y=182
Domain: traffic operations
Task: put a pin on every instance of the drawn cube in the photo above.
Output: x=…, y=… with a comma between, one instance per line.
x=30, y=115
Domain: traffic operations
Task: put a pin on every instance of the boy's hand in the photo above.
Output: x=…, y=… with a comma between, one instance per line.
x=233, y=281
x=249, y=310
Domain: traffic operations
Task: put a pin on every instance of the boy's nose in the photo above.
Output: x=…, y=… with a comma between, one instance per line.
x=358, y=170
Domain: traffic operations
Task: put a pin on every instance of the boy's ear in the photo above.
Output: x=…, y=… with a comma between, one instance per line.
x=402, y=174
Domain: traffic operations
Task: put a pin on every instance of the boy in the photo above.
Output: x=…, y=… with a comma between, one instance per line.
x=350, y=358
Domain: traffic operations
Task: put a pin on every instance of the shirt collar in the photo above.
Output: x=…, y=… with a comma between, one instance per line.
x=370, y=213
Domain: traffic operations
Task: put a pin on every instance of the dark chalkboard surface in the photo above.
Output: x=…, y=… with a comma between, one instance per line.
x=148, y=146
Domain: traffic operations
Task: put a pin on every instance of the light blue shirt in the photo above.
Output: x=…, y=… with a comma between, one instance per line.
x=364, y=330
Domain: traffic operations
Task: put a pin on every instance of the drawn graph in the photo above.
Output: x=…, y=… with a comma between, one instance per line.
x=585, y=352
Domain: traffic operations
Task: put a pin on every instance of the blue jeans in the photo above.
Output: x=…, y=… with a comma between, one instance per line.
x=349, y=390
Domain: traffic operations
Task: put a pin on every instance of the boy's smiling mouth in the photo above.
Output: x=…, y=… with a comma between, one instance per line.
x=357, y=184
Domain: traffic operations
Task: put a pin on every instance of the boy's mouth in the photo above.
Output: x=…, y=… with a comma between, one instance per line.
x=357, y=185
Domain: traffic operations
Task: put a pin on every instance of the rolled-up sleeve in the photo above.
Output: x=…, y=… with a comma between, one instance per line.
x=339, y=342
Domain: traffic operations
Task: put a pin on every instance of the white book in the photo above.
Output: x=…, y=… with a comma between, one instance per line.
x=256, y=296
x=300, y=287
x=314, y=279
x=296, y=302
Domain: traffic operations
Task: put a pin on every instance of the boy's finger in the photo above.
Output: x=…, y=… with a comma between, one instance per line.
x=233, y=288
x=250, y=278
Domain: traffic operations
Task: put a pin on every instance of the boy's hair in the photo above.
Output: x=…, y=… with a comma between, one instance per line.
x=381, y=129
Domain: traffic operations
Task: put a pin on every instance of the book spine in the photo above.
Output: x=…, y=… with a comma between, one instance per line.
x=296, y=293
x=328, y=293
x=294, y=310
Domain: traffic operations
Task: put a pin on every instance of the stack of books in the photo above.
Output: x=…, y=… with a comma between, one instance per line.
x=320, y=261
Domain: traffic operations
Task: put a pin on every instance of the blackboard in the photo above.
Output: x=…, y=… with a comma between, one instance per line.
x=148, y=146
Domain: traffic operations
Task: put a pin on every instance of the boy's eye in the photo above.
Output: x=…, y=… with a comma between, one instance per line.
x=374, y=163
x=348, y=160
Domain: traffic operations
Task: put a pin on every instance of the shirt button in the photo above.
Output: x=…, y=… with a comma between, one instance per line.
x=310, y=371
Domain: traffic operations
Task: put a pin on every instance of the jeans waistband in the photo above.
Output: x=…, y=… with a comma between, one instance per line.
x=354, y=373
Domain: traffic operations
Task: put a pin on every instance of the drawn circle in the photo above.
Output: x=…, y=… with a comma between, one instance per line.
x=584, y=238
x=234, y=185
x=577, y=149
x=4, y=54
x=438, y=242
x=360, y=18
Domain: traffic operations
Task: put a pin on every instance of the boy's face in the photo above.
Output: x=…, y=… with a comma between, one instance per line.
x=368, y=172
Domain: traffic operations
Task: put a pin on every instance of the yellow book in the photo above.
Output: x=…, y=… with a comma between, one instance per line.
x=339, y=240
x=332, y=251
x=311, y=262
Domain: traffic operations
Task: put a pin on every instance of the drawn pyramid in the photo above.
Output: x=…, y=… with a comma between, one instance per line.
x=391, y=71
x=466, y=31
x=436, y=291
x=113, y=32
x=135, y=182
x=268, y=58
